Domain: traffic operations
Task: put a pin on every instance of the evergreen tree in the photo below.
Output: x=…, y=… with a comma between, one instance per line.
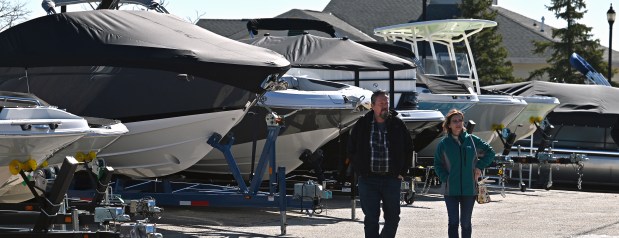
x=490, y=56
x=575, y=38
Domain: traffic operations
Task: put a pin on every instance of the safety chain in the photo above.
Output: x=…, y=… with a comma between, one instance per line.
x=503, y=179
x=581, y=166
x=426, y=186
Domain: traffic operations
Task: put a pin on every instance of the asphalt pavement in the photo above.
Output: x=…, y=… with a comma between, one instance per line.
x=533, y=213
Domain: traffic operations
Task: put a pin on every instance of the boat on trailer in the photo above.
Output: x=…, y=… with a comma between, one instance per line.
x=344, y=61
x=29, y=135
x=585, y=122
x=494, y=115
x=101, y=133
x=315, y=112
x=173, y=84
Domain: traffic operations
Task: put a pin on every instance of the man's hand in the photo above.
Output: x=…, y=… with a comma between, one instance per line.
x=400, y=177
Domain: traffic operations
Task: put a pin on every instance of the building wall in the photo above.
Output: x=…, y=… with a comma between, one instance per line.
x=522, y=70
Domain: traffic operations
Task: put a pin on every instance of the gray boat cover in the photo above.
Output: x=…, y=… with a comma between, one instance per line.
x=309, y=51
x=139, y=39
x=580, y=104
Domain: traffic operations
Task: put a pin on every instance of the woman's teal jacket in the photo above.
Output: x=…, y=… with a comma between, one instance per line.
x=455, y=163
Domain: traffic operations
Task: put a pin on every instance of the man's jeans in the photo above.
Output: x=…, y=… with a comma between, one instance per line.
x=459, y=211
x=373, y=189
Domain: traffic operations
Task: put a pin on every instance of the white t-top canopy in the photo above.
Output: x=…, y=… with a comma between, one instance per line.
x=443, y=32
x=450, y=30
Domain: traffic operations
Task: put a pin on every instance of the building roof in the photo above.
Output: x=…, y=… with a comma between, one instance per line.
x=342, y=28
x=518, y=33
x=351, y=16
x=367, y=14
x=517, y=29
x=223, y=27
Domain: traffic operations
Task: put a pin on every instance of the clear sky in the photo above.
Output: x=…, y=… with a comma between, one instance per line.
x=237, y=9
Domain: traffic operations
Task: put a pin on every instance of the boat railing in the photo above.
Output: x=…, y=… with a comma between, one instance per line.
x=149, y=4
x=12, y=101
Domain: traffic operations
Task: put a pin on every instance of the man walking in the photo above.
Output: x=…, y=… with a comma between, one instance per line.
x=380, y=148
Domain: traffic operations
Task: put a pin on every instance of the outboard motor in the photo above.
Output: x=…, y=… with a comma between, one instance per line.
x=315, y=161
x=408, y=101
x=470, y=126
x=509, y=141
x=545, y=130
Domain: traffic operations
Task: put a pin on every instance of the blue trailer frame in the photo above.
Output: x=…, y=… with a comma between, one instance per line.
x=169, y=193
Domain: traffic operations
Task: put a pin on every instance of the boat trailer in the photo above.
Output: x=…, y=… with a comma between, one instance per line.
x=53, y=212
x=307, y=196
x=542, y=156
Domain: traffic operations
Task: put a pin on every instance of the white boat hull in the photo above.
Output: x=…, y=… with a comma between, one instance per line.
x=15, y=193
x=489, y=112
x=26, y=135
x=94, y=141
x=537, y=108
x=314, y=113
x=445, y=102
x=162, y=147
x=25, y=147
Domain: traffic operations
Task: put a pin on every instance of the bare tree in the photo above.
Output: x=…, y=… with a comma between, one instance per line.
x=12, y=13
x=198, y=16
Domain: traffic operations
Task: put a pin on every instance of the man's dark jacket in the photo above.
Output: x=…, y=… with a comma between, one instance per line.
x=400, y=145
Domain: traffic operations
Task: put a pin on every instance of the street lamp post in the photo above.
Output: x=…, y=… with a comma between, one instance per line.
x=610, y=16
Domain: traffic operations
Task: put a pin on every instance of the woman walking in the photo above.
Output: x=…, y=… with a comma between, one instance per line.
x=458, y=167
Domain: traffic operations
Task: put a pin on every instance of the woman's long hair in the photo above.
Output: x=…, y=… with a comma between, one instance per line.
x=450, y=115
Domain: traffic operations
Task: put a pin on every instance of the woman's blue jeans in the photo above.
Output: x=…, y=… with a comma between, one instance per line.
x=459, y=211
x=373, y=190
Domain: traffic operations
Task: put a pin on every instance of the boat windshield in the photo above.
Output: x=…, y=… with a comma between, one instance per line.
x=446, y=66
x=7, y=101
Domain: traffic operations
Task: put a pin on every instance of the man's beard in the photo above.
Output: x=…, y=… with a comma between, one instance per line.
x=384, y=114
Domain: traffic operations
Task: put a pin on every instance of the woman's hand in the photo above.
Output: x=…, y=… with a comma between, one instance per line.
x=477, y=174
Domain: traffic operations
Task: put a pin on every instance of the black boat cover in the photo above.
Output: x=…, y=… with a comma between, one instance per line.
x=389, y=48
x=299, y=24
x=140, y=39
x=579, y=104
x=309, y=51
